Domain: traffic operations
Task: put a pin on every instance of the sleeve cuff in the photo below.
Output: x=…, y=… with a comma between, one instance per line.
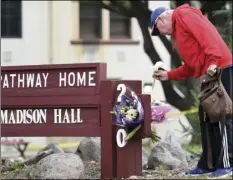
x=170, y=75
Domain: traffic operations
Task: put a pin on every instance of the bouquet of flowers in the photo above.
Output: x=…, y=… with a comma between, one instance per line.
x=129, y=112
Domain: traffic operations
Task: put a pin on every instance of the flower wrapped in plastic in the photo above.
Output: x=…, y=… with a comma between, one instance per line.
x=158, y=111
x=128, y=110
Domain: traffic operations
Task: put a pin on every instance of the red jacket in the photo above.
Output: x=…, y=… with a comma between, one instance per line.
x=198, y=42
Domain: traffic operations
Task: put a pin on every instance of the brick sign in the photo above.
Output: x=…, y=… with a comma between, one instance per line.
x=70, y=100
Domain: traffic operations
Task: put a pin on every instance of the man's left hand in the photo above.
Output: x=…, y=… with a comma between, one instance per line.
x=212, y=69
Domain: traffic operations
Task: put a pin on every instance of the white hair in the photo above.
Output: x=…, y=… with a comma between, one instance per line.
x=164, y=14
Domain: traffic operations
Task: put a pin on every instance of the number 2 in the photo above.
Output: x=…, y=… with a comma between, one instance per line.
x=121, y=87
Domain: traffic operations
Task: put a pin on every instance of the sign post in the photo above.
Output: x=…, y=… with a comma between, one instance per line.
x=71, y=100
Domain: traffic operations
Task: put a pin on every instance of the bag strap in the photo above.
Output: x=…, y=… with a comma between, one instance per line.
x=219, y=73
x=222, y=122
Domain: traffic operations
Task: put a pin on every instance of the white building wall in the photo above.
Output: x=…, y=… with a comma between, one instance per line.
x=32, y=48
x=62, y=26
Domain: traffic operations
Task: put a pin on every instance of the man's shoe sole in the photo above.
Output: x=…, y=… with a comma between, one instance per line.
x=194, y=175
x=223, y=176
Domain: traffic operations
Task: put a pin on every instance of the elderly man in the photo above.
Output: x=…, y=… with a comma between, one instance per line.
x=202, y=49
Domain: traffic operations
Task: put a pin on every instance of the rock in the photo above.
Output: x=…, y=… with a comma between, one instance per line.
x=96, y=139
x=89, y=150
x=169, y=155
x=6, y=163
x=92, y=170
x=51, y=148
x=171, y=138
x=145, y=156
x=193, y=159
x=58, y=166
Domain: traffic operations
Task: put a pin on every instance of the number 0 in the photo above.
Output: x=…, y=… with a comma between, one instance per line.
x=121, y=133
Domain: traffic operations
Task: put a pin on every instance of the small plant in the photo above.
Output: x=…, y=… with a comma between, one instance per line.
x=195, y=149
x=14, y=166
x=163, y=170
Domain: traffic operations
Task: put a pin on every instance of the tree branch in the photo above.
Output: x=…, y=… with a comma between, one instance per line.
x=125, y=11
x=116, y=7
x=140, y=9
x=109, y=7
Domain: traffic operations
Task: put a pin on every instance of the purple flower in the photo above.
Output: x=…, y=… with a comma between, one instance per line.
x=158, y=113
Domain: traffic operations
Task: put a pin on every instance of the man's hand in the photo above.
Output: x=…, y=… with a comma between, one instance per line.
x=212, y=69
x=161, y=75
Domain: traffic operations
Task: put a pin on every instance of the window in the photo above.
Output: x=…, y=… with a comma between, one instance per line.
x=11, y=19
x=90, y=20
x=120, y=26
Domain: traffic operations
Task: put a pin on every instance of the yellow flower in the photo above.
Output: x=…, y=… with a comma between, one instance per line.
x=124, y=110
x=131, y=114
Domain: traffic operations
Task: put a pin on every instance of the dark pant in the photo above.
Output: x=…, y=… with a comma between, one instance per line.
x=212, y=142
